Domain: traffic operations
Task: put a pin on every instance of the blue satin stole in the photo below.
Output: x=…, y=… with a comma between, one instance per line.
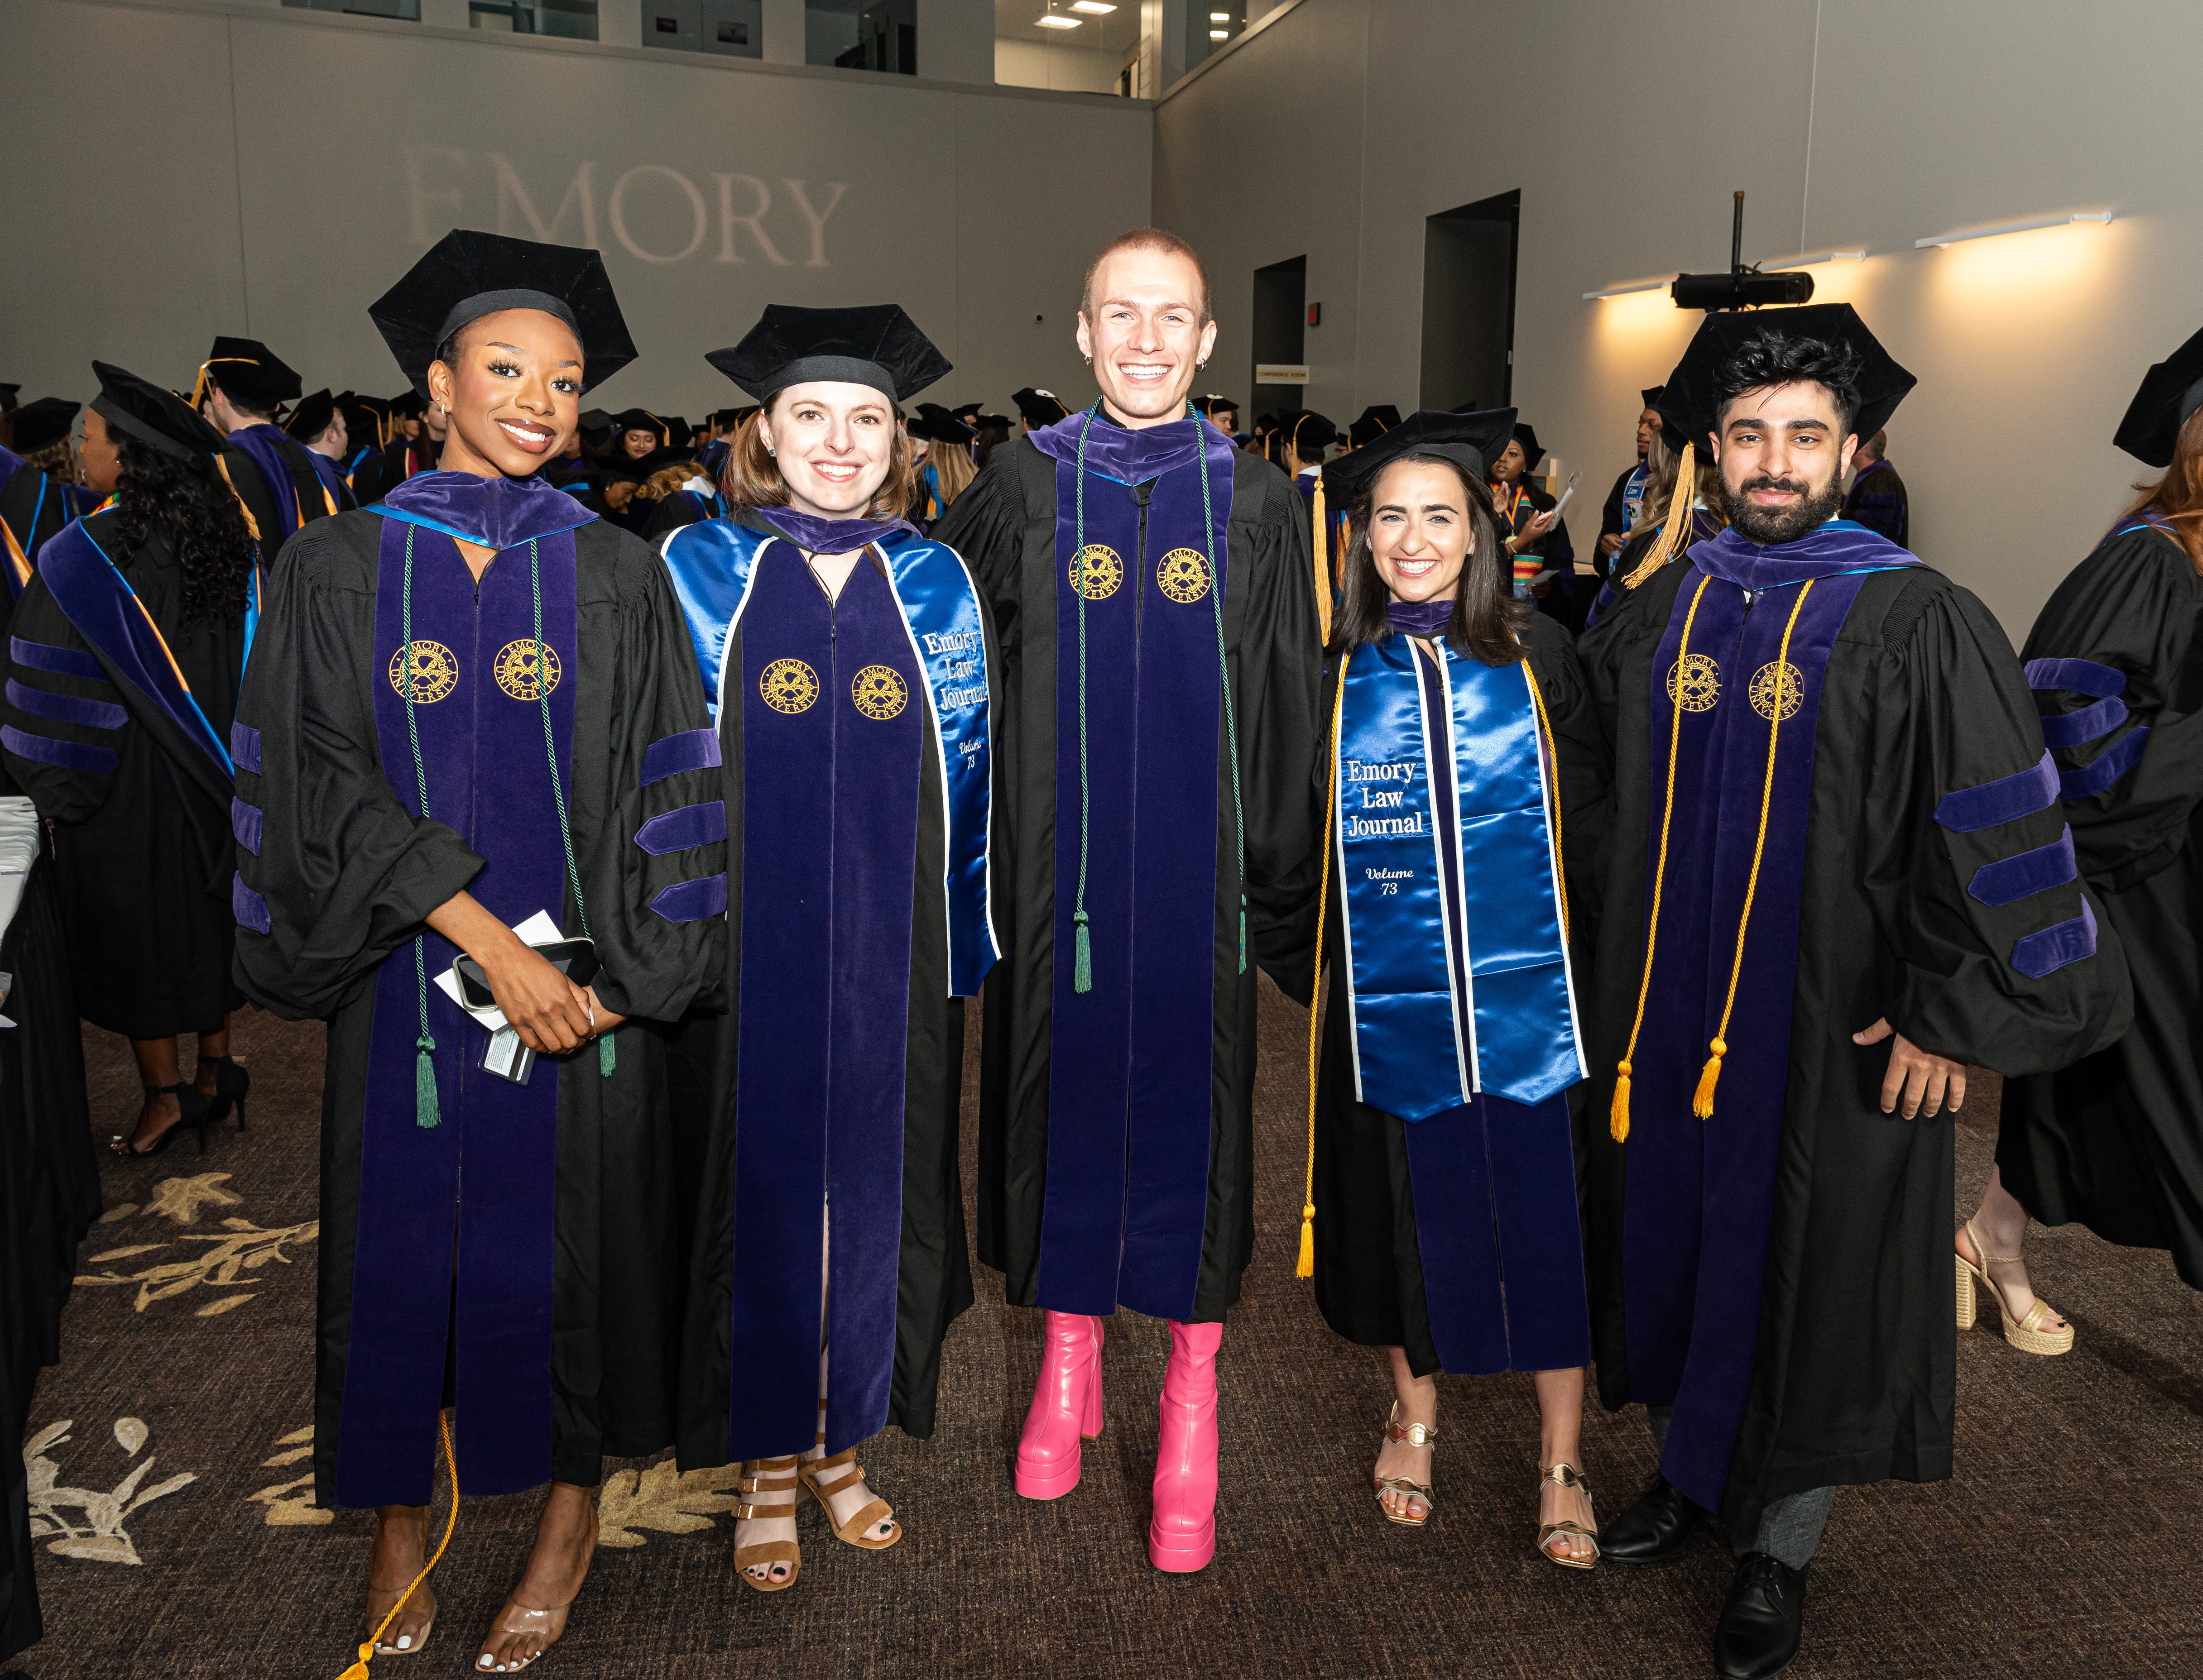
x=1458, y=969
x=712, y=565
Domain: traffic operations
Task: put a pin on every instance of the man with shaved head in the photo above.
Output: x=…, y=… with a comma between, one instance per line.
x=1153, y=589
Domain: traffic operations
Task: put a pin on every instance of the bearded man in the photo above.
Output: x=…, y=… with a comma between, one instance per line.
x=1832, y=875
x=1157, y=720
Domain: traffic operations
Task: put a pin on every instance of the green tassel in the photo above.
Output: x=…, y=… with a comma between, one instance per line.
x=607, y=1058
x=1242, y=934
x=424, y=1083
x=1082, y=967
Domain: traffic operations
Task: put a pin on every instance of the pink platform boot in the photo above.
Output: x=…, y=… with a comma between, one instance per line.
x=1066, y=1404
x=1182, y=1537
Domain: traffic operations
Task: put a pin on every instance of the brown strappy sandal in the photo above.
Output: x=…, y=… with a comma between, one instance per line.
x=1566, y=1476
x=769, y=1476
x=2029, y=1332
x=1415, y=1435
x=852, y=1532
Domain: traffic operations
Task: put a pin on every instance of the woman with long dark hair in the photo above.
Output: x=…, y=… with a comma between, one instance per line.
x=1441, y=1223
x=2116, y=1141
x=125, y=656
x=854, y=662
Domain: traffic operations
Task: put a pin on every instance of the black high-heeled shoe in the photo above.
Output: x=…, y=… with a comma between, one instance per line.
x=191, y=1101
x=230, y=1082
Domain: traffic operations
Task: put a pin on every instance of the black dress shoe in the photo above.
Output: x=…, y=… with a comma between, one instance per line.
x=1763, y=1621
x=1653, y=1529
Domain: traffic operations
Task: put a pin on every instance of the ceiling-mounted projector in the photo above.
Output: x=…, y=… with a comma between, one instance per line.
x=1740, y=288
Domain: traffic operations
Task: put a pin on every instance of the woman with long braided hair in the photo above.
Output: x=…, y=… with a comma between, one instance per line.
x=126, y=653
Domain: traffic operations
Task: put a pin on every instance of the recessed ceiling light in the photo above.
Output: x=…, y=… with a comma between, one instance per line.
x=1220, y=34
x=2010, y=227
x=1052, y=21
x=1093, y=8
x=1220, y=17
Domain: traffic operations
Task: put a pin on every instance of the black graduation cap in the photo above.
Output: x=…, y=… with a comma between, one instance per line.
x=1265, y=422
x=1376, y=421
x=1212, y=405
x=249, y=373
x=8, y=397
x=408, y=405
x=39, y=424
x=1309, y=433
x=993, y=422
x=875, y=344
x=2171, y=391
x=1532, y=451
x=312, y=416
x=1039, y=408
x=1471, y=440
x=1688, y=401
x=1650, y=397
x=938, y=425
x=595, y=420
x=642, y=420
x=141, y=409
x=679, y=433
x=966, y=412
x=466, y=276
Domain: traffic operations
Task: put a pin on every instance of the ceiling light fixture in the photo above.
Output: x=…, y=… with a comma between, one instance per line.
x=1619, y=291
x=1940, y=239
x=1220, y=17
x=1052, y=21
x=1813, y=259
x=1220, y=34
x=1093, y=8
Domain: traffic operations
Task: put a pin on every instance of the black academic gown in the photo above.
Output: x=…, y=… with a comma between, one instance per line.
x=933, y=1269
x=141, y=836
x=1005, y=526
x=1853, y=1377
x=2115, y=1141
x=378, y=475
x=1369, y=1278
x=347, y=873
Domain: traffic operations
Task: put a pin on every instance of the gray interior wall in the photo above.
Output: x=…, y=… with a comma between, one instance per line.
x=1850, y=123
x=270, y=173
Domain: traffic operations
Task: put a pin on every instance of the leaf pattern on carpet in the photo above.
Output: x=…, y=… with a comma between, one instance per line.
x=246, y=1248
x=662, y=1498
x=182, y=1199
x=290, y=1504
x=99, y=1535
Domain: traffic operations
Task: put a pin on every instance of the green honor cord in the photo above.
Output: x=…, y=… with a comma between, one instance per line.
x=1081, y=973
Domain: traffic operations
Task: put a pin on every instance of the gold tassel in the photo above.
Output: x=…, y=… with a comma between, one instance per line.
x=1322, y=564
x=1617, y=1119
x=1673, y=529
x=358, y=1670
x=1701, y=1103
x=1306, y=1265
x=251, y=524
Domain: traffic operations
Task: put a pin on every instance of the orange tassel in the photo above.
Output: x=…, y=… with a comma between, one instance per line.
x=1305, y=1267
x=1702, y=1105
x=1617, y=1121
x=358, y=1670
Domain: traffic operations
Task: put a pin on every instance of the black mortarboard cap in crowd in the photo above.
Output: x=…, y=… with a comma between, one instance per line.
x=595, y=420
x=408, y=405
x=1309, y=433
x=875, y=346
x=8, y=397
x=312, y=416
x=1472, y=441
x=249, y=373
x=467, y=275
x=160, y=419
x=1650, y=397
x=40, y=425
x=1039, y=408
x=1376, y=421
x=1532, y=451
x=1212, y=405
x=996, y=423
x=938, y=425
x=966, y=412
x=642, y=420
x=1688, y=402
x=2171, y=391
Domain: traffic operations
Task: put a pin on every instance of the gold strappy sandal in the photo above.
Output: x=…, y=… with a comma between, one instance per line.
x=877, y=1510
x=2024, y=1331
x=1566, y=1476
x=1415, y=1435
x=768, y=1475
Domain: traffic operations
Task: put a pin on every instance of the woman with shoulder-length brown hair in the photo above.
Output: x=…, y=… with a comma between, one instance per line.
x=852, y=663
x=1441, y=1223
x=2116, y=1141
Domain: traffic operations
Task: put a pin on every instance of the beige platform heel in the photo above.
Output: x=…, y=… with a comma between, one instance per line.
x=2024, y=1331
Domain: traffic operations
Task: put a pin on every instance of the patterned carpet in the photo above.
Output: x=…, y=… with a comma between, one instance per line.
x=171, y=1444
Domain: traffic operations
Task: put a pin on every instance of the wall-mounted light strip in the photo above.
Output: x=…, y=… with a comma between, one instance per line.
x=1634, y=286
x=1813, y=259
x=2104, y=216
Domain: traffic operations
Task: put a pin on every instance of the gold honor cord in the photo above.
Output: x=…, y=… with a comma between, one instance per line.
x=358, y=1670
x=251, y=523
x=1305, y=1266
x=199, y=385
x=1553, y=752
x=1671, y=542
x=1322, y=563
x=1618, y=1119
x=1701, y=1103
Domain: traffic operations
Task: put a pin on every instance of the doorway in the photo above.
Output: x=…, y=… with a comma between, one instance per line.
x=1280, y=325
x=1469, y=304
